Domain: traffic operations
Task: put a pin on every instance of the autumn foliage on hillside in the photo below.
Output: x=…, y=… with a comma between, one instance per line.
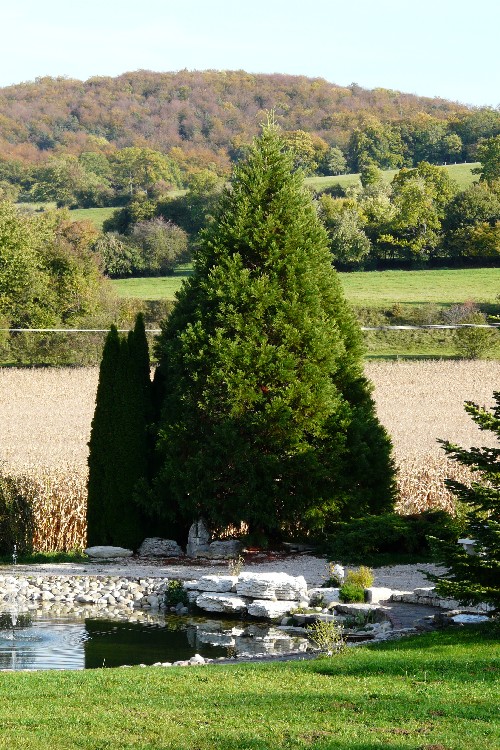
x=211, y=115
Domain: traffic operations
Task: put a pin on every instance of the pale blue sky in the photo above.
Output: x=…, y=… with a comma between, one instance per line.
x=447, y=48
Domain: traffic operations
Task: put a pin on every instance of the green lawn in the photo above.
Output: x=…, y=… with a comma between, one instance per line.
x=448, y=286
x=431, y=692
x=95, y=215
x=461, y=173
x=363, y=288
x=153, y=287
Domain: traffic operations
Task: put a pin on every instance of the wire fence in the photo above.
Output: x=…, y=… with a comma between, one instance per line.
x=158, y=330
x=83, y=346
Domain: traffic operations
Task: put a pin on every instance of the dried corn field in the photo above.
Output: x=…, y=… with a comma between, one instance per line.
x=45, y=417
x=421, y=402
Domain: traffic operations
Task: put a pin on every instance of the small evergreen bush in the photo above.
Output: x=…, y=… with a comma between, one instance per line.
x=351, y=592
x=355, y=541
x=176, y=594
x=328, y=636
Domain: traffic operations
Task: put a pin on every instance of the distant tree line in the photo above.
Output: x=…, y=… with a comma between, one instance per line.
x=420, y=218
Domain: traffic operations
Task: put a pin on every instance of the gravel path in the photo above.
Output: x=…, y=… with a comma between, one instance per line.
x=314, y=570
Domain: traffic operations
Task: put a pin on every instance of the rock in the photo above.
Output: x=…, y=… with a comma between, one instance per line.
x=356, y=608
x=269, y=609
x=224, y=549
x=156, y=547
x=271, y=586
x=198, y=539
x=376, y=594
x=219, y=584
x=328, y=596
x=197, y=659
x=212, y=602
x=465, y=619
x=102, y=551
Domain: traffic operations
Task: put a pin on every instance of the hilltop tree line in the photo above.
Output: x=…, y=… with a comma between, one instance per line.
x=102, y=141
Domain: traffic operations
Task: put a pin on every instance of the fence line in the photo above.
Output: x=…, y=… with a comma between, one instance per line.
x=158, y=330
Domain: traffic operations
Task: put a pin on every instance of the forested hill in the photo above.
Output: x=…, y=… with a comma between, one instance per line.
x=216, y=112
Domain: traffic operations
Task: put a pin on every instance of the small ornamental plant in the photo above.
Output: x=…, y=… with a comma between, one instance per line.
x=336, y=576
x=176, y=594
x=363, y=577
x=351, y=593
x=328, y=636
x=235, y=566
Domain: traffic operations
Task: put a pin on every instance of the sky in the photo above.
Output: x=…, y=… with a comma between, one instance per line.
x=445, y=48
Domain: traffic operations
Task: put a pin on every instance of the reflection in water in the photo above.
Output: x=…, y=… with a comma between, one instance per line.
x=41, y=640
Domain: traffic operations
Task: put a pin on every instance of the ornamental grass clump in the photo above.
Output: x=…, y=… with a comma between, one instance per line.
x=363, y=577
x=328, y=636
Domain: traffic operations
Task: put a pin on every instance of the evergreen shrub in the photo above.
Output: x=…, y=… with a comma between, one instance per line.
x=351, y=593
x=357, y=540
x=475, y=578
x=267, y=416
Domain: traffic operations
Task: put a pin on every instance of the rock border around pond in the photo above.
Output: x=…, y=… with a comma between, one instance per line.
x=260, y=595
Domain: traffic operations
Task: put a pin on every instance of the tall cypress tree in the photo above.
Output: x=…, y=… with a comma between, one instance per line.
x=267, y=417
x=119, y=443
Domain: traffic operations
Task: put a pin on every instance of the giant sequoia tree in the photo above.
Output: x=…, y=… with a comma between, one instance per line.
x=267, y=417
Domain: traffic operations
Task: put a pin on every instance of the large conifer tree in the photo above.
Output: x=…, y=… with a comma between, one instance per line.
x=119, y=446
x=267, y=417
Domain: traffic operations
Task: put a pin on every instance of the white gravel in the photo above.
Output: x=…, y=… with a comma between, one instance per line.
x=314, y=570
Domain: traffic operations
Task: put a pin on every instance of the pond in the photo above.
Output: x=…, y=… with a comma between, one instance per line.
x=39, y=639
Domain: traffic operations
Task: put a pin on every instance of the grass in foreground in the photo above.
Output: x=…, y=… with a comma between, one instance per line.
x=39, y=558
x=432, y=692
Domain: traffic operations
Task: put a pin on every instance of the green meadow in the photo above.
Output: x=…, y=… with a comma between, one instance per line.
x=383, y=298
x=431, y=692
x=461, y=173
x=363, y=288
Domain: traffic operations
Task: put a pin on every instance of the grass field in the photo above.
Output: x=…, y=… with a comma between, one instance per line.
x=447, y=286
x=373, y=295
x=432, y=692
x=461, y=173
x=96, y=215
x=363, y=288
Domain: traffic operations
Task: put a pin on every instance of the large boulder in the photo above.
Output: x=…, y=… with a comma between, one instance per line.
x=224, y=549
x=229, y=603
x=271, y=610
x=323, y=597
x=272, y=586
x=107, y=552
x=217, y=584
x=198, y=539
x=156, y=547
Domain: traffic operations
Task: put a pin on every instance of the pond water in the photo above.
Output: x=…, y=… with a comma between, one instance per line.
x=40, y=640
